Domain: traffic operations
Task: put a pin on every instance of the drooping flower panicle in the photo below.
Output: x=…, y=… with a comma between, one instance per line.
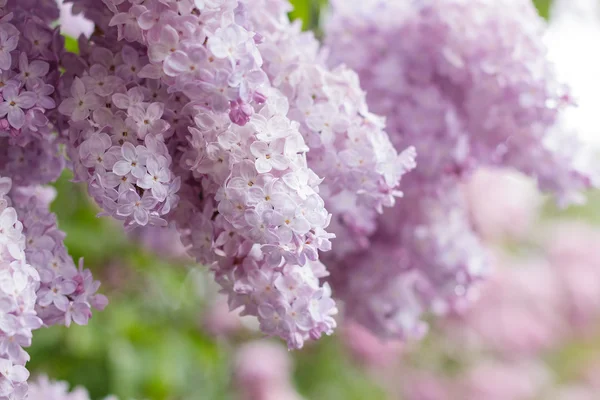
x=177, y=115
x=468, y=83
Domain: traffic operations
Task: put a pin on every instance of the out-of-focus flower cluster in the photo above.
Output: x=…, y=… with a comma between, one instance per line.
x=262, y=371
x=469, y=84
x=44, y=389
x=541, y=304
x=194, y=115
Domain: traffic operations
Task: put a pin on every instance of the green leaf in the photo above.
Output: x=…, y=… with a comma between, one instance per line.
x=543, y=7
x=302, y=11
x=71, y=44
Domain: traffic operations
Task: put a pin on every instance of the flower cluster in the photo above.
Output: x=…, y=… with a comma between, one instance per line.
x=44, y=389
x=66, y=293
x=18, y=294
x=532, y=307
x=40, y=285
x=29, y=73
x=469, y=84
x=348, y=146
x=428, y=262
x=469, y=78
x=540, y=305
x=262, y=371
x=178, y=115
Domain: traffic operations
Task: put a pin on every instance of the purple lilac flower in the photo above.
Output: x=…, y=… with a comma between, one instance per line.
x=225, y=146
x=43, y=388
x=469, y=84
x=29, y=53
x=39, y=283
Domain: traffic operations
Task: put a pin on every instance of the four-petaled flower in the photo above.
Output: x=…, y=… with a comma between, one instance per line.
x=78, y=106
x=14, y=104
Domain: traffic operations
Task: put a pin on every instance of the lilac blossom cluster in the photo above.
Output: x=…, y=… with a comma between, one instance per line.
x=30, y=67
x=177, y=115
x=531, y=311
x=469, y=84
x=29, y=73
x=66, y=292
x=348, y=145
x=262, y=371
x=539, y=308
x=40, y=284
x=18, y=285
x=45, y=389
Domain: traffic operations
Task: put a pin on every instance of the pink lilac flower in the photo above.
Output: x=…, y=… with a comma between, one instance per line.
x=572, y=250
x=218, y=321
x=523, y=293
x=29, y=146
x=14, y=105
x=468, y=83
x=518, y=381
x=39, y=284
x=79, y=106
x=262, y=371
x=43, y=388
x=18, y=283
x=219, y=153
x=66, y=292
x=503, y=204
x=368, y=349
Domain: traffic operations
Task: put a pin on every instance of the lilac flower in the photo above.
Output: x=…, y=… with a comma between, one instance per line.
x=132, y=64
x=134, y=161
x=37, y=278
x=14, y=104
x=8, y=42
x=268, y=156
x=148, y=119
x=224, y=163
x=446, y=76
x=11, y=375
x=44, y=389
x=43, y=92
x=156, y=178
x=78, y=312
x=57, y=294
x=130, y=203
x=229, y=42
x=166, y=44
x=100, y=82
x=79, y=106
x=271, y=129
x=188, y=62
x=273, y=319
x=94, y=152
x=262, y=370
x=30, y=72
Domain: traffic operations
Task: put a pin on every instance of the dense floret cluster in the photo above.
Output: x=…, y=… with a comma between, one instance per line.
x=222, y=123
x=191, y=113
x=468, y=83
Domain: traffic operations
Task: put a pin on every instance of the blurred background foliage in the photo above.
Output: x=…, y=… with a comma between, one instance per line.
x=149, y=342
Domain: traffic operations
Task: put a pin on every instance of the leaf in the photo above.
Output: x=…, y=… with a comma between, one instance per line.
x=543, y=7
